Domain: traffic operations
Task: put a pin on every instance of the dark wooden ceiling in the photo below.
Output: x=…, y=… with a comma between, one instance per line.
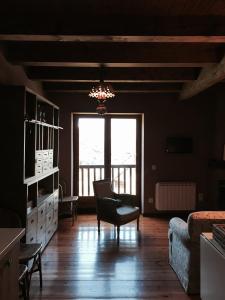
x=146, y=46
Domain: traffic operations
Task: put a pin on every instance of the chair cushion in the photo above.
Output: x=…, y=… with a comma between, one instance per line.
x=127, y=214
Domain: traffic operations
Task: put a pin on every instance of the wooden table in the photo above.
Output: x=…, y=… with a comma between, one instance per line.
x=73, y=202
x=9, y=262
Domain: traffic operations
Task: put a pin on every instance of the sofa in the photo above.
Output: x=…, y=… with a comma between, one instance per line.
x=184, y=246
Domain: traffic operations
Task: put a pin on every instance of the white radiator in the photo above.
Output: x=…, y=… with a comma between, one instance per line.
x=175, y=196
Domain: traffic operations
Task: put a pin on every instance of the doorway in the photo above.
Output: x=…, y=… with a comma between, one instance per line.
x=106, y=147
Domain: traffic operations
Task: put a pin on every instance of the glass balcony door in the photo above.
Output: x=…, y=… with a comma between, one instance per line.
x=123, y=155
x=106, y=147
x=91, y=153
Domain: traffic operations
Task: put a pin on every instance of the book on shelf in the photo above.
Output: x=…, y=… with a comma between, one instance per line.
x=218, y=231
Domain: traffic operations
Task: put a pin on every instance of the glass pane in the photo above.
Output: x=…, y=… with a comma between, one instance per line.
x=91, y=141
x=123, y=155
x=123, y=141
x=91, y=153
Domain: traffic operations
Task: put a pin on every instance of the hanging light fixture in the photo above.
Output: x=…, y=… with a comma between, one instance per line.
x=101, y=92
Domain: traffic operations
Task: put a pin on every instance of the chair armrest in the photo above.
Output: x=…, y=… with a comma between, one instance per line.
x=126, y=199
x=180, y=228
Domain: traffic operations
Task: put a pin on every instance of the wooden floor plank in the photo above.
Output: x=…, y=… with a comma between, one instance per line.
x=79, y=264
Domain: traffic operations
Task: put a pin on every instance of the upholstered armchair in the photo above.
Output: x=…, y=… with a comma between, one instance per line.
x=116, y=209
x=184, y=246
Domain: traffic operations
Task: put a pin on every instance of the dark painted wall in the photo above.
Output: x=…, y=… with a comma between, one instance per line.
x=217, y=170
x=164, y=116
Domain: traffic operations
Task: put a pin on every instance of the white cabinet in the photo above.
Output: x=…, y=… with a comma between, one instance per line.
x=212, y=269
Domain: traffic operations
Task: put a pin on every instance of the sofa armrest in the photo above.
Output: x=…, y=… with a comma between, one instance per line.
x=179, y=227
x=202, y=221
x=126, y=199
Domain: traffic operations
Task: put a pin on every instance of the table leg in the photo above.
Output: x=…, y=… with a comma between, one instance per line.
x=73, y=212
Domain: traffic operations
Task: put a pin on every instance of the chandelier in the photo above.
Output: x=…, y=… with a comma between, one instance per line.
x=101, y=92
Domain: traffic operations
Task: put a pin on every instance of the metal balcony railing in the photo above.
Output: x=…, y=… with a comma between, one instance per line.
x=123, y=178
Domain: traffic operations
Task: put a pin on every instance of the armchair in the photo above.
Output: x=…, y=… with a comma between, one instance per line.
x=184, y=246
x=116, y=209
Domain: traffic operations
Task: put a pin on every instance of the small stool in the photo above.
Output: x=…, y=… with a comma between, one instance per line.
x=73, y=202
x=31, y=252
x=23, y=281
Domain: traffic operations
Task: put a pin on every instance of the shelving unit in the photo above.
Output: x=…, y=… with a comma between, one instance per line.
x=29, y=151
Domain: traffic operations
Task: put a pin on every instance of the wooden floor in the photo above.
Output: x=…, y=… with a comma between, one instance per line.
x=79, y=265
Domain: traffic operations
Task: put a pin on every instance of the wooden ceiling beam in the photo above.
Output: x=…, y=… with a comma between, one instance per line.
x=162, y=53
x=207, y=77
x=100, y=22
x=38, y=64
x=113, y=38
x=113, y=74
x=118, y=87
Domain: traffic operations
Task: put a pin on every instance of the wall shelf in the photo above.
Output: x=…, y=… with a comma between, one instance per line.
x=30, y=135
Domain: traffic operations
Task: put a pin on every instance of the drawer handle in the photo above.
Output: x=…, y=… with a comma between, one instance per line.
x=32, y=221
x=49, y=218
x=8, y=263
x=42, y=211
x=41, y=227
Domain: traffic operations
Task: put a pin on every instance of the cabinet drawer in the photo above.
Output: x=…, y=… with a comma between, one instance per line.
x=39, y=161
x=56, y=211
x=50, y=165
x=38, y=172
x=38, y=166
x=32, y=222
x=41, y=240
x=49, y=203
x=49, y=233
x=49, y=218
x=41, y=213
x=45, y=162
x=31, y=237
x=56, y=196
x=55, y=225
x=50, y=153
x=41, y=234
x=38, y=154
x=40, y=229
x=45, y=169
x=45, y=154
x=56, y=202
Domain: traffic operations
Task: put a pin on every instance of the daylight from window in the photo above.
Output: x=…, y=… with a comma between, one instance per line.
x=123, y=154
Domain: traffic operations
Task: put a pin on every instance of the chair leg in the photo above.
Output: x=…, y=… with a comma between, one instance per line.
x=24, y=289
x=26, y=281
x=118, y=234
x=98, y=225
x=40, y=269
x=138, y=224
x=36, y=266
